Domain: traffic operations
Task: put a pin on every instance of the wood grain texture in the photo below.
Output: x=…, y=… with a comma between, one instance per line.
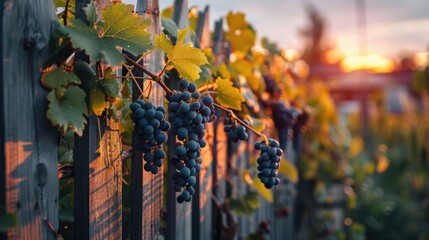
x=98, y=174
x=151, y=185
x=179, y=216
x=30, y=142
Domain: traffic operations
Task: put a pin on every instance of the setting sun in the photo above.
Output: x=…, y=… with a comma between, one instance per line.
x=372, y=62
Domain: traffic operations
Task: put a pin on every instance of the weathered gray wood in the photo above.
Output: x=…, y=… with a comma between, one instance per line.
x=98, y=174
x=203, y=29
x=178, y=215
x=2, y=131
x=30, y=142
x=152, y=185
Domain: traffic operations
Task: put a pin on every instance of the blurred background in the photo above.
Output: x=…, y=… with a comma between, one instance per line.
x=366, y=89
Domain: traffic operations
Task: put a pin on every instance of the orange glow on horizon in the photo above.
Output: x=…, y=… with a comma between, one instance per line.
x=372, y=62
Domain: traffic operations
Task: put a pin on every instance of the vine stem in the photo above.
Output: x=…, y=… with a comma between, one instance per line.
x=134, y=79
x=232, y=115
x=164, y=68
x=154, y=77
x=66, y=9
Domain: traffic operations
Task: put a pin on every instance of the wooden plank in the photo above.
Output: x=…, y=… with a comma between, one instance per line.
x=203, y=30
x=29, y=142
x=98, y=173
x=201, y=203
x=149, y=186
x=178, y=215
x=2, y=131
x=219, y=152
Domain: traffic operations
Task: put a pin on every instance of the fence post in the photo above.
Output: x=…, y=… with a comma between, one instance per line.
x=98, y=172
x=146, y=188
x=29, y=170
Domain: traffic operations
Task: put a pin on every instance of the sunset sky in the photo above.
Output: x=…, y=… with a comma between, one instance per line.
x=393, y=26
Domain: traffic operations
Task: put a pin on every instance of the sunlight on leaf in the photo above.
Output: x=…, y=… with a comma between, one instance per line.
x=227, y=95
x=262, y=190
x=288, y=170
x=183, y=57
x=59, y=78
x=121, y=28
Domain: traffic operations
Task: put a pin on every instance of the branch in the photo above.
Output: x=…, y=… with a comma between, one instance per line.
x=154, y=77
x=233, y=116
x=65, y=12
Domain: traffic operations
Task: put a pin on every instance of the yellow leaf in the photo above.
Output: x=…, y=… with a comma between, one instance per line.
x=185, y=58
x=227, y=95
x=258, y=58
x=98, y=101
x=289, y=170
x=236, y=21
x=382, y=164
x=223, y=71
x=240, y=36
x=261, y=189
x=242, y=66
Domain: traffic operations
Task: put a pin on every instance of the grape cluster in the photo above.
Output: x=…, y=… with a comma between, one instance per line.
x=284, y=118
x=268, y=162
x=235, y=131
x=188, y=113
x=150, y=127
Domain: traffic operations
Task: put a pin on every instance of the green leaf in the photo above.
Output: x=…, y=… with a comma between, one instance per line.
x=184, y=58
x=98, y=100
x=7, y=220
x=68, y=110
x=169, y=26
x=59, y=78
x=205, y=76
x=121, y=28
x=86, y=74
x=227, y=95
x=288, y=170
x=110, y=87
x=91, y=13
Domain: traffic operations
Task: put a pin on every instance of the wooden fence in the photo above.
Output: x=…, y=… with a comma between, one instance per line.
x=29, y=164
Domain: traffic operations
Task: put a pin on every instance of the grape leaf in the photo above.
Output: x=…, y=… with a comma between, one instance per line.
x=98, y=100
x=91, y=13
x=169, y=26
x=184, y=58
x=121, y=28
x=256, y=184
x=59, y=78
x=262, y=190
x=227, y=95
x=288, y=170
x=68, y=110
x=240, y=35
x=110, y=87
